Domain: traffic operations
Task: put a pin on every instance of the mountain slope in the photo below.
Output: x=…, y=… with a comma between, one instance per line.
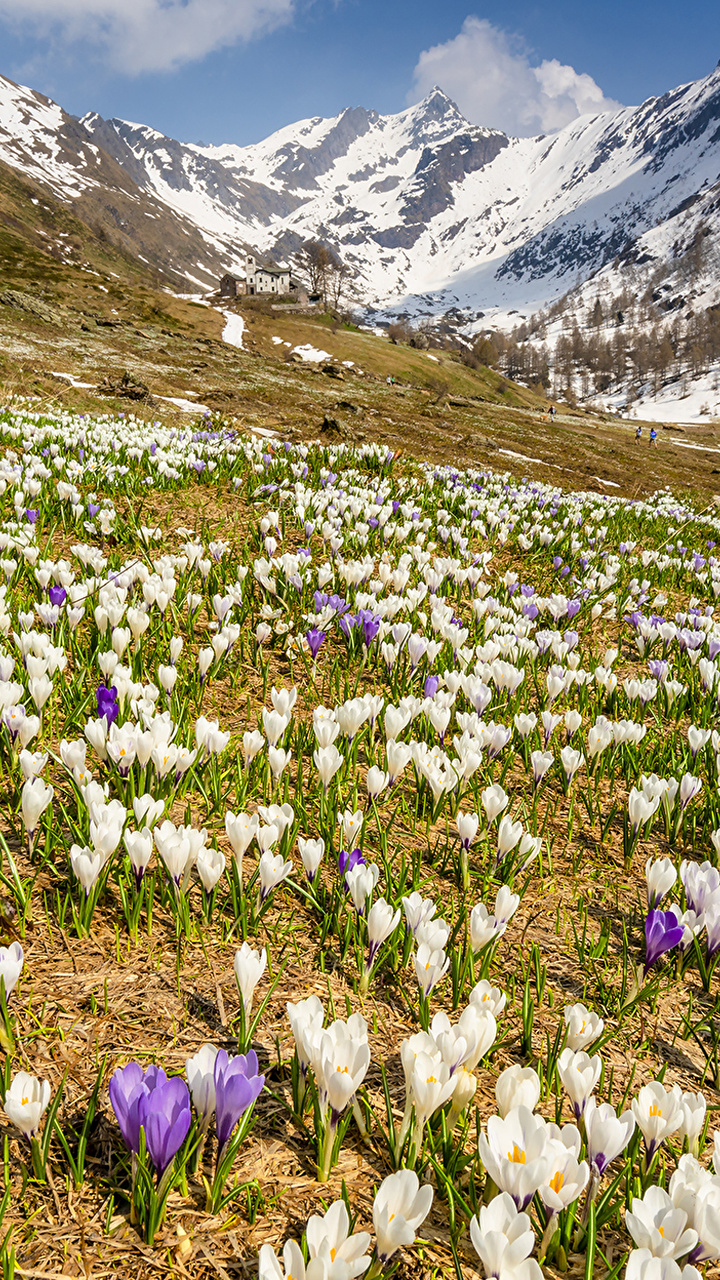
x=431, y=213
x=434, y=212
x=47, y=147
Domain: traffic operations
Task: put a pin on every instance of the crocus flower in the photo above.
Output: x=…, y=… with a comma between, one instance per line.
x=660, y=876
x=401, y=1206
x=657, y=1225
x=314, y=639
x=662, y=933
x=25, y=1102
x=370, y=625
x=607, y=1134
x=164, y=1114
x=249, y=967
x=11, y=963
x=126, y=1087
x=312, y=853
x=346, y=862
x=57, y=595
x=658, y=1113
x=237, y=1087
x=107, y=704
x=504, y=1239
x=200, y=1072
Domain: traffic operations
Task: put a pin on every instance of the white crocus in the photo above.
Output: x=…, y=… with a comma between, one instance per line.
x=327, y=762
x=515, y=1153
x=430, y=967
x=139, y=845
x=272, y=871
x=401, y=1206
x=11, y=963
x=418, y=911
x=656, y=1224
x=494, y=800
x=350, y=826
x=87, y=865
x=25, y=1102
x=36, y=795
x=200, y=1072
x=345, y=1256
x=381, y=922
x=306, y=1020
x=583, y=1026
x=517, y=1087
x=694, y=1108
x=361, y=880
x=249, y=965
x=312, y=853
x=607, y=1134
x=579, y=1074
x=467, y=825
x=210, y=866
x=504, y=1240
x=489, y=997
x=642, y=1265
x=658, y=1113
x=660, y=876
x=240, y=829
x=567, y=1177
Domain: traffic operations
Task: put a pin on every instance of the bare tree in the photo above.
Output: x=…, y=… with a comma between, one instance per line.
x=326, y=274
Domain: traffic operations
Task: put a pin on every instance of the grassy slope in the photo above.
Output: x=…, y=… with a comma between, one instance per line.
x=439, y=409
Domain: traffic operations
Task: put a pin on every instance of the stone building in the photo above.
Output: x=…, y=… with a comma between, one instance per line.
x=259, y=278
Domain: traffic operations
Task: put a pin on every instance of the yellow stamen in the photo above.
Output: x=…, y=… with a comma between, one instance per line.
x=655, y=1111
x=24, y=1102
x=557, y=1182
x=517, y=1155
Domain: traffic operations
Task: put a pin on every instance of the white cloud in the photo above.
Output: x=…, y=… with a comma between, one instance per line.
x=489, y=74
x=136, y=36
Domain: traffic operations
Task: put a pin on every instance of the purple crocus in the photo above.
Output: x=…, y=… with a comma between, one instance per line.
x=314, y=639
x=370, y=625
x=127, y=1086
x=662, y=933
x=165, y=1116
x=431, y=686
x=161, y=1107
x=30, y=515
x=107, y=704
x=346, y=862
x=237, y=1087
x=57, y=595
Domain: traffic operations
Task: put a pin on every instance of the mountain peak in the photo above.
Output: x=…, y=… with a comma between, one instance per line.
x=436, y=103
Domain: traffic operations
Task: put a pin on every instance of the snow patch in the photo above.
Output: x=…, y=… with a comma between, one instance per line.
x=234, y=329
x=310, y=354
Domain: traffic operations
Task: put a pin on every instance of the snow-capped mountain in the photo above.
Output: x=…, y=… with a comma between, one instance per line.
x=430, y=212
x=55, y=153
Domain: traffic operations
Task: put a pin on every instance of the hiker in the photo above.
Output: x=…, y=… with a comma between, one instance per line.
x=551, y=412
x=638, y=435
x=653, y=435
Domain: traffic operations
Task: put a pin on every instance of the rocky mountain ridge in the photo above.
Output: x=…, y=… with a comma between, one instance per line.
x=431, y=213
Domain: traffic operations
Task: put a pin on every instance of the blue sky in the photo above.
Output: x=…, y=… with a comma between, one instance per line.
x=235, y=70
